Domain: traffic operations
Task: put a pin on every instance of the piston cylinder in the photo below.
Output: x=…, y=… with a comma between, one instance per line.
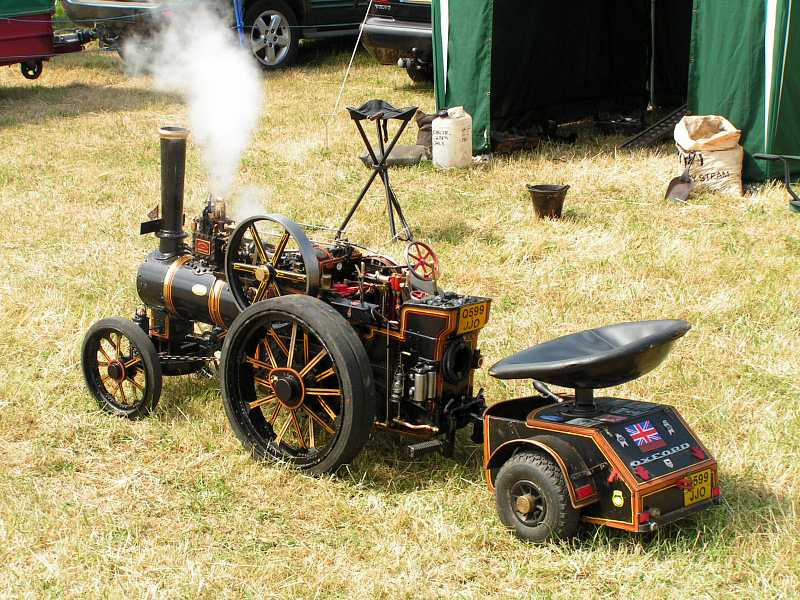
x=420, y=387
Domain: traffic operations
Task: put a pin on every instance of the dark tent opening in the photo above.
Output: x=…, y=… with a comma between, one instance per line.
x=543, y=62
x=567, y=61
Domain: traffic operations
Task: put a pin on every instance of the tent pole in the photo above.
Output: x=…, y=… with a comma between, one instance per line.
x=652, y=55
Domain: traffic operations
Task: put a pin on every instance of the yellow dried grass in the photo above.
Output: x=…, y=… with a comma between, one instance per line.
x=92, y=506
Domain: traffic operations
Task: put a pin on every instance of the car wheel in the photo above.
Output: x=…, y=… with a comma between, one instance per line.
x=533, y=500
x=273, y=32
x=420, y=72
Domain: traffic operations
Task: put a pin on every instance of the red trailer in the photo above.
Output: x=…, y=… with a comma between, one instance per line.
x=27, y=36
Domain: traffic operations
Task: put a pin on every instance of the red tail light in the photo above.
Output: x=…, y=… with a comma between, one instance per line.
x=644, y=517
x=715, y=492
x=697, y=453
x=584, y=491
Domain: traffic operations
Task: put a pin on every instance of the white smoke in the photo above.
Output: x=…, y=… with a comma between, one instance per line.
x=249, y=201
x=196, y=54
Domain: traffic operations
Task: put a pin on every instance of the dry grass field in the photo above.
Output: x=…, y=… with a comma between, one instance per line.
x=171, y=506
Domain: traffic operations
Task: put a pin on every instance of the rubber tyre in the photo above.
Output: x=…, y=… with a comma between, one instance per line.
x=354, y=424
x=560, y=520
x=286, y=11
x=31, y=69
x=150, y=366
x=418, y=75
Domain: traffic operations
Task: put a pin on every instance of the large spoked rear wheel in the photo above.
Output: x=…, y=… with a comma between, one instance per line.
x=296, y=383
x=533, y=500
x=121, y=368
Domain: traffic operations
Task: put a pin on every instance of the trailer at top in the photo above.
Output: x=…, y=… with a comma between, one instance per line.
x=27, y=37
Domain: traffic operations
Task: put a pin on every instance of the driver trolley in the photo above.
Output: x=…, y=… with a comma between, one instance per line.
x=317, y=342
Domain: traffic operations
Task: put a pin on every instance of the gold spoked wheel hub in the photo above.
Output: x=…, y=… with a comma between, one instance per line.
x=116, y=371
x=124, y=380
x=296, y=388
x=288, y=387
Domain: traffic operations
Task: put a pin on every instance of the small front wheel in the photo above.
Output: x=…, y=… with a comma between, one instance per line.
x=121, y=368
x=533, y=500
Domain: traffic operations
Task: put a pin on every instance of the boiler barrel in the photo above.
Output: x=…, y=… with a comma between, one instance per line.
x=185, y=289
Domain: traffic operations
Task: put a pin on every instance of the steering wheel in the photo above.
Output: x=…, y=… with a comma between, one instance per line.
x=268, y=256
x=422, y=261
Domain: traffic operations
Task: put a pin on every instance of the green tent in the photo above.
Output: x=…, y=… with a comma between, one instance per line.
x=533, y=62
x=745, y=65
x=515, y=64
x=19, y=8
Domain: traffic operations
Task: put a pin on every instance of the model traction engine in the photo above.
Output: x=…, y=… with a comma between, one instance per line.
x=315, y=341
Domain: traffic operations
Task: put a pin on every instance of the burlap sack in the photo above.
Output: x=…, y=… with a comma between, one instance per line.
x=714, y=142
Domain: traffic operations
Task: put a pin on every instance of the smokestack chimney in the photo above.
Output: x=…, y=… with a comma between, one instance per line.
x=173, y=166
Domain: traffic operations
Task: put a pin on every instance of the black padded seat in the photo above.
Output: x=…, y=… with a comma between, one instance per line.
x=595, y=358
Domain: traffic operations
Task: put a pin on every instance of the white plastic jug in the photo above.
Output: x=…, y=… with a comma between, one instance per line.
x=452, y=139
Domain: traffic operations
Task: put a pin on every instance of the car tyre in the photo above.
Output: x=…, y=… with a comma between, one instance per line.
x=420, y=73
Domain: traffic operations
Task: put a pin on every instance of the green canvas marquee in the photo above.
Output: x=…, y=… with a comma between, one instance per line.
x=746, y=66
x=20, y=8
x=515, y=64
x=518, y=63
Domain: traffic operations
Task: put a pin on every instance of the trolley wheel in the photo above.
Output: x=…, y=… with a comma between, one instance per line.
x=533, y=500
x=274, y=33
x=31, y=69
x=121, y=368
x=297, y=384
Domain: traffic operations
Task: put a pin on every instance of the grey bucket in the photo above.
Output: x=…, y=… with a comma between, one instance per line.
x=548, y=200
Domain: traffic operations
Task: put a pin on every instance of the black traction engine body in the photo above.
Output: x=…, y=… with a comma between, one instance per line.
x=422, y=344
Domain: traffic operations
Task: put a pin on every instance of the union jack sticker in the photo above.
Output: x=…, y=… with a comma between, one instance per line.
x=645, y=436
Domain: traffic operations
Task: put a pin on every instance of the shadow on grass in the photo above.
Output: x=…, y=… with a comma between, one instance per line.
x=747, y=508
x=384, y=464
x=183, y=396
x=452, y=233
x=33, y=105
x=574, y=216
x=328, y=51
x=414, y=86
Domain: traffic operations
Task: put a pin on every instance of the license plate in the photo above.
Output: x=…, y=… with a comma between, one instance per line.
x=472, y=317
x=700, y=490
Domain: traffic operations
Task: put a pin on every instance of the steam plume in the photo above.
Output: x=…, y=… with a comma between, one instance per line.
x=196, y=54
x=249, y=201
